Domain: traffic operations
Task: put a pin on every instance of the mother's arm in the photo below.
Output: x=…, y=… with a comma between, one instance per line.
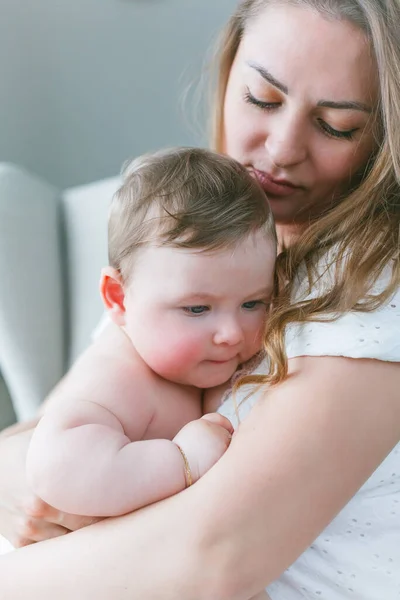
x=295, y=462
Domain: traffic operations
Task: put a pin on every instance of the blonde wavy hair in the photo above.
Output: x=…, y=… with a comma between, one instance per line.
x=363, y=228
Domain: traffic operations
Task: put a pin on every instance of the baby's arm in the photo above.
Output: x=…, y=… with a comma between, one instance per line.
x=80, y=459
x=81, y=462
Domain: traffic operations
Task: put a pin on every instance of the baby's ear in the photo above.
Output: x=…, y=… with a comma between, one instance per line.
x=113, y=295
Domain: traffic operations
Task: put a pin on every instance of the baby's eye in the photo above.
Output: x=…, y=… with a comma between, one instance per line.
x=251, y=304
x=196, y=310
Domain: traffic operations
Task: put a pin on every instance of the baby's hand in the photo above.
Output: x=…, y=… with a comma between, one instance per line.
x=204, y=442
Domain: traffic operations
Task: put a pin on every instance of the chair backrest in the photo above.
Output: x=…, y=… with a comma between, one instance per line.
x=32, y=353
x=85, y=212
x=52, y=247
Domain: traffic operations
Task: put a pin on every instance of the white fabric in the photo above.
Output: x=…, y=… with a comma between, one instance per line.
x=358, y=555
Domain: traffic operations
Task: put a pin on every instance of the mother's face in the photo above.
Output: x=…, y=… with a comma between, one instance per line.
x=299, y=106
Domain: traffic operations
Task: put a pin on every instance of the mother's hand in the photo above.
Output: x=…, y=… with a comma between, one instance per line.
x=25, y=518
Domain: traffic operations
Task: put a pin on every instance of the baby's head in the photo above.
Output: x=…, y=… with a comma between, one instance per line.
x=192, y=252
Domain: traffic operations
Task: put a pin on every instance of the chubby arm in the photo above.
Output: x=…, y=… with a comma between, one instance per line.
x=249, y=517
x=88, y=456
x=80, y=461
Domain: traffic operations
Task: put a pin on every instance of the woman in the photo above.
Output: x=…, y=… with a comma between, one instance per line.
x=309, y=100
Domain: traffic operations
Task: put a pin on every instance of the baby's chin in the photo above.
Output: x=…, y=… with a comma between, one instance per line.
x=205, y=375
x=213, y=375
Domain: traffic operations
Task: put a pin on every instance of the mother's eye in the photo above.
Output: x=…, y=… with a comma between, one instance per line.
x=336, y=133
x=250, y=99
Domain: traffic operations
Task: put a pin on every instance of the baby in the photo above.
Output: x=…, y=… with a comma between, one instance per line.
x=192, y=251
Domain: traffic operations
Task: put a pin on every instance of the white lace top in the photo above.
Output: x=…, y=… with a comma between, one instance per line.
x=358, y=555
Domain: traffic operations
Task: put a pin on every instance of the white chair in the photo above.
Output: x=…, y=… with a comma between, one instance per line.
x=53, y=244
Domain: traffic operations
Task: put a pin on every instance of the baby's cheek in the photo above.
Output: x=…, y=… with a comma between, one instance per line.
x=174, y=359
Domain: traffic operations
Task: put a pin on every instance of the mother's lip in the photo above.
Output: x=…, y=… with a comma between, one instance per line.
x=276, y=180
x=274, y=187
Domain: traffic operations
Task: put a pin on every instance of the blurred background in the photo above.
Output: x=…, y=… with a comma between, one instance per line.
x=86, y=84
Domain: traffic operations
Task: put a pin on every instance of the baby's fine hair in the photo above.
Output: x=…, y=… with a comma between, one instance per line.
x=184, y=198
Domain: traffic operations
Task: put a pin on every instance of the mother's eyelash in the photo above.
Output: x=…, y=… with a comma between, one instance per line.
x=250, y=99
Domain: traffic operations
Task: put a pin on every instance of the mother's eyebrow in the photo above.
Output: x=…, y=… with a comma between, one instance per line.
x=265, y=74
x=342, y=105
x=345, y=105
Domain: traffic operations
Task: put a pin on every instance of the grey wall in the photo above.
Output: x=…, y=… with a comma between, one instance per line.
x=85, y=84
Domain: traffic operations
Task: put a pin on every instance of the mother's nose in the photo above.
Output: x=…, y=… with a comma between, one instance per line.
x=286, y=143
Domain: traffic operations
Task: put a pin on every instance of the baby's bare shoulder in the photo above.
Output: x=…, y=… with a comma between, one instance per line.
x=111, y=374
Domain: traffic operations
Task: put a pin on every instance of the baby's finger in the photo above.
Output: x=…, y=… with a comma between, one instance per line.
x=42, y=511
x=73, y=522
x=218, y=419
x=28, y=530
